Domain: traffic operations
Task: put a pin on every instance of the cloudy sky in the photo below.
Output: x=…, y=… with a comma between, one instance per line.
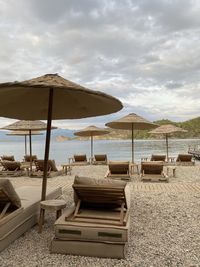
x=144, y=52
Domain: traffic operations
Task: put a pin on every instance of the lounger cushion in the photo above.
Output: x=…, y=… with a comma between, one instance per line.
x=7, y=188
x=19, y=221
x=87, y=231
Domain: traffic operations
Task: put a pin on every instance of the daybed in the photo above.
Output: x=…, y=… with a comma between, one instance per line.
x=19, y=209
x=98, y=223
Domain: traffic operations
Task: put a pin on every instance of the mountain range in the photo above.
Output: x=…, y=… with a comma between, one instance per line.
x=192, y=126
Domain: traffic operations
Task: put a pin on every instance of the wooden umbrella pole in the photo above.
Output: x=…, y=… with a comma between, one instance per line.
x=167, y=147
x=132, y=144
x=46, y=156
x=25, y=145
x=30, y=145
x=91, y=147
x=47, y=146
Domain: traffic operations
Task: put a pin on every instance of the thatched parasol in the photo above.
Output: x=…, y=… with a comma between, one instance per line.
x=52, y=97
x=166, y=130
x=92, y=131
x=29, y=126
x=131, y=122
x=25, y=134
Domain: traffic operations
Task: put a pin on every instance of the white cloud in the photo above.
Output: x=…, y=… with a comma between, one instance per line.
x=144, y=52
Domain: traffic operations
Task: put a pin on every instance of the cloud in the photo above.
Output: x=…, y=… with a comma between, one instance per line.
x=144, y=52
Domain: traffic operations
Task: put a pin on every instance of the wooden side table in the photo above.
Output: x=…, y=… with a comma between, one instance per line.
x=52, y=205
x=173, y=169
x=134, y=165
x=67, y=169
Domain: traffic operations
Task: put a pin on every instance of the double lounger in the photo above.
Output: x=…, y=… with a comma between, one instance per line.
x=19, y=209
x=97, y=224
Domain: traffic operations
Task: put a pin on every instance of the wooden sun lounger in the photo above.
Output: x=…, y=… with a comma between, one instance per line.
x=79, y=160
x=118, y=170
x=12, y=168
x=185, y=159
x=100, y=159
x=153, y=172
x=51, y=169
x=158, y=157
x=107, y=197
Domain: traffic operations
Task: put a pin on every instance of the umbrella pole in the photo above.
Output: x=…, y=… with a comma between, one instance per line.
x=167, y=147
x=91, y=148
x=132, y=144
x=25, y=145
x=46, y=156
x=30, y=144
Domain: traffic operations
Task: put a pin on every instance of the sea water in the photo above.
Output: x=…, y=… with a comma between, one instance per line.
x=115, y=149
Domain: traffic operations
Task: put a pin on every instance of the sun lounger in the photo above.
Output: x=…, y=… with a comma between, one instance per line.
x=158, y=157
x=153, y=172
x=20, y=209
x=8, y=157
x=27, y=158
x=100, y=159
x=118, y=170
x=12, y=168
x=52, y=170
x=79, y=160
x=97, y=224
x=185, y=159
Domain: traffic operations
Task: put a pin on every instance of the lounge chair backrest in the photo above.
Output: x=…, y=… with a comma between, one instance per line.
x=39, y=163
x=80, y=158
x=11, y=165
x=152, y=167
x=28, y=157
x=100, y=157
x=8, y=195
x=158, y=157
x=119, y=167
x=184, y=158
x=8, y=158
x=99, y=191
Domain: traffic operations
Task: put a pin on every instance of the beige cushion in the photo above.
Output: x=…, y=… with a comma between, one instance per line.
x=8, y=190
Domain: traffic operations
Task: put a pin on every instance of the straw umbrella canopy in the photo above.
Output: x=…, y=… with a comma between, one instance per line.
x=131, y=122
x=29, y=126
x=166, y=130
x=25, y=134
x=91, y=131
x=52, y=97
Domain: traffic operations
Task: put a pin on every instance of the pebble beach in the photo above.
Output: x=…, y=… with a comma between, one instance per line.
x=164, y=231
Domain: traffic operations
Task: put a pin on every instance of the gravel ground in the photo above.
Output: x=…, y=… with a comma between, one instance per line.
x=165, y=229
